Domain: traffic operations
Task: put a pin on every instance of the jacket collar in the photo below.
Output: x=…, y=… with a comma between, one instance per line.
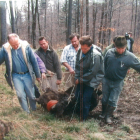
x=49, y=49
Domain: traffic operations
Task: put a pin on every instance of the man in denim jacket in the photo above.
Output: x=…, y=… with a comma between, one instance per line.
x=21, y=69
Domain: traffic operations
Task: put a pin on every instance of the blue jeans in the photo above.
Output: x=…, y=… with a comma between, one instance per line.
x=111, y=91
x=87, y=94
x=24, y=89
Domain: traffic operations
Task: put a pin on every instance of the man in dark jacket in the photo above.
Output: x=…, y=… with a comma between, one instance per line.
x=117, y=61
x=89, y=71
x=50, y=59
x=130, y=42
x=21, y=69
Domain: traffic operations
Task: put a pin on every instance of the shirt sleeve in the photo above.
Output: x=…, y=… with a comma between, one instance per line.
x=64, y=55
x=40, y=64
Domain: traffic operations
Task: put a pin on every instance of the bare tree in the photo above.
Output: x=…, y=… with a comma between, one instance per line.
x=12, y=17
x=34, y=15
x=69, y=21
x=81, y=18
x=94, y=13
x=3, y=24
x=135, y=22
x=29, y=27
x=87, y=17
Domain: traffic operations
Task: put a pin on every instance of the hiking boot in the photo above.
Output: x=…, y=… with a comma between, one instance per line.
x=109, y=113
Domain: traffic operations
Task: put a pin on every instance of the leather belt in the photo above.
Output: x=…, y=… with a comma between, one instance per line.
x=22, y=72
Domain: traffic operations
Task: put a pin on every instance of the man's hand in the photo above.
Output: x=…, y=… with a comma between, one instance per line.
x=58, y=82
x=50, y=73
x=43, y=75
x=76, y=82
x=71, y=70
x=38, y=79
x=128, y=71
x=69, y=67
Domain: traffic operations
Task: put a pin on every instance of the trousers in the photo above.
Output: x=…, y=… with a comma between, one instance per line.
x=24, y=90
x=111, y=91
x=86, y=103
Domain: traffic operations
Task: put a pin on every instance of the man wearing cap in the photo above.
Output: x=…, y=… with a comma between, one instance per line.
x=117, y=61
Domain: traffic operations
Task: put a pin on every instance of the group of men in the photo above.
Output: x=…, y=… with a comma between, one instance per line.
x=81, y=58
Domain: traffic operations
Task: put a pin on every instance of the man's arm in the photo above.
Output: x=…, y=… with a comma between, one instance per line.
x=64, y=60
x=57, y=66
x=34, y=62
x=2, y=55
x=71, y=70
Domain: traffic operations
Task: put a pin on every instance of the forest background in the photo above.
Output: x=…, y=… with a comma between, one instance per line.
x=56, y=20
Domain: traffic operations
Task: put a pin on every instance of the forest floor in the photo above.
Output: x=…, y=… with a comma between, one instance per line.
x=42, y=125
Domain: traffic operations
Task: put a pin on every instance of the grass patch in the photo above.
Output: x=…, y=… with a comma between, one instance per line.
x=67, y=137
x=47, y=117
x=72, y=128
x=10, y=111
x=92, y=125
x=127, y=128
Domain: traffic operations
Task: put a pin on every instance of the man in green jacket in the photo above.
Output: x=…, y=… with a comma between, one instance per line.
x=89, y=71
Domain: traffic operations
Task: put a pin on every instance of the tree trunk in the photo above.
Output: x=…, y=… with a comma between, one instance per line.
x=78, y=17
x=101, y=27
x=87, y=17
x=34, y=15
x=105, y=22
x=110, y=19
x=3, y=22
x=131, y=27
x=81, y=18
x=12, y=17
x=39, y=26
x=69, y=21
x=29, y=27
x=135, y=23
x=94, y=13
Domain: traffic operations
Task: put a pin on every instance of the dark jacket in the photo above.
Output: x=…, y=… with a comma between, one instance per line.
x=31, y=62
x=116, y=66
x=51, y=61
x=107, y=48
x=131, y=44
x=90, y=69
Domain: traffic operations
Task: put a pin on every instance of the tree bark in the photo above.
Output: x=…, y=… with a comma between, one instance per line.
x=69, y=21
x=3, y=22
x=94, y=13
x=87, y=17
x=34, y=15
x=12, y=17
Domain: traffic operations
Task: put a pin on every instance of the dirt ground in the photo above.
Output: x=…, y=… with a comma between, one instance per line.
x=128, y=110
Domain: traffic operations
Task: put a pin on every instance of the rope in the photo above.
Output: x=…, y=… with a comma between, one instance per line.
x=69, y=78
x=69, y=99
x=74, y=108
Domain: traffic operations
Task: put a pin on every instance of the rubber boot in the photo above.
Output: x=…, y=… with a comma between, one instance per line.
x=103, y=111
x=109, y=113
